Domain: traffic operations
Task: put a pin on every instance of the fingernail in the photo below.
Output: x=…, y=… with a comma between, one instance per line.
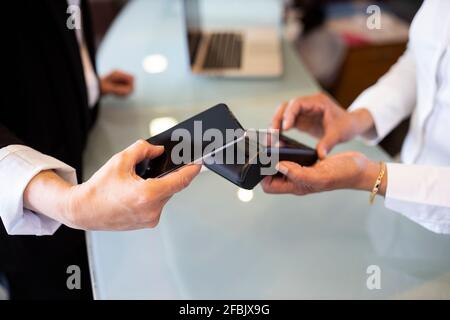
x=285, y=124
x=280, y=168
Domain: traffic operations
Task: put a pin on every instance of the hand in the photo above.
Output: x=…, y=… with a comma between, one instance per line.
x=114, y=198
x=117, y=83
x=350, y=170
x=323, y=118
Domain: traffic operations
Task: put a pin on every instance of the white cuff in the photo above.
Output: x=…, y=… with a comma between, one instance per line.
x=421, y=194
x=366, y=101
x=18, y=165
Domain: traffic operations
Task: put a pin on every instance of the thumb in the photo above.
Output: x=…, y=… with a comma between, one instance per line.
x=328, y=141
x=176, y=181
x=295, y=172
x=141, y=150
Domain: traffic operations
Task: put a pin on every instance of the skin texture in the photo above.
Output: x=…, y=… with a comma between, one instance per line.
x=117, y=83
x=114, y=198
x=324, y=119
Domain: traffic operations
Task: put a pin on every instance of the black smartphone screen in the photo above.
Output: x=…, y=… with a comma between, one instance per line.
x=218, y=117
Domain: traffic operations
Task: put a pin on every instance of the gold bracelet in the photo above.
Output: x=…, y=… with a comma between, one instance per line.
x=377, y=184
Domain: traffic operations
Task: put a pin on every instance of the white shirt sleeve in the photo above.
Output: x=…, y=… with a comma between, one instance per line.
x=391, y=99
x=421, y=193
x=18, y=165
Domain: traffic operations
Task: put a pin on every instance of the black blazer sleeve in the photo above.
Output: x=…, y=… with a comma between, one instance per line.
x=11, y=69
x=43, y=101
x=7, y=137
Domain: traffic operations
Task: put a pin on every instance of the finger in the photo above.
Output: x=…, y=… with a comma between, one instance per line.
x=107, y=87
x=165, y=200
x=157, y=217
x=176, y=181
x=155, y=214
x=122, y=90
x=266, y=182
x=327, y=143
x=141, y=150
x=291, y=112
x=277, y=185
x=155, y=221
x=310, y=105
x=296, y=173
x=278, y=117
x=121, y=76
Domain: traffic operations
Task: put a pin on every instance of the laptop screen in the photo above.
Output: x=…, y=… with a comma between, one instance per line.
x=193, y=26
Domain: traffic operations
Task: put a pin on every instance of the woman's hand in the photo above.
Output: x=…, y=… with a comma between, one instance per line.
x=117, y=83
x=350, y=170
x=323, y=118
x=114, y=198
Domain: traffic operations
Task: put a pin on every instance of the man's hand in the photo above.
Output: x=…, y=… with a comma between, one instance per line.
x=323, y=118
x=350, y=170
x=114, y=198
x=117, y=83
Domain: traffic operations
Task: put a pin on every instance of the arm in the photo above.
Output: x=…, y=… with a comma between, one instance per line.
x=390, y=100
x=48, y=192
x=18, y=165
x=421, y=193
x=373, y=115
x=114, y=198
x=349, y=170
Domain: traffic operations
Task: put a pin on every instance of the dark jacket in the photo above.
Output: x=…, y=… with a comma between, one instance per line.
x=44, y=105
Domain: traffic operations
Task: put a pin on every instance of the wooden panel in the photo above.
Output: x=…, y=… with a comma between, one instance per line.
x=363, y=66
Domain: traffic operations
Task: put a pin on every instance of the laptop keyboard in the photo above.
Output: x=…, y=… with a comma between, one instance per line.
x=224, y=51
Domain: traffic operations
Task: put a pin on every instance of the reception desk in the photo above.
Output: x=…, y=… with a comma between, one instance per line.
x=216, y=242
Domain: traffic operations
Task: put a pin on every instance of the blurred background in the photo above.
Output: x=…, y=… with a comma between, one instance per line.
x=333, y=41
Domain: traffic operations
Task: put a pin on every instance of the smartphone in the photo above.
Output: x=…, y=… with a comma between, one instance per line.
x=218, y=117
x=256, y=151
x=294, y=151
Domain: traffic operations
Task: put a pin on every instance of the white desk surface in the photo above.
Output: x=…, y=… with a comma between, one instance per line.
x=211, y=245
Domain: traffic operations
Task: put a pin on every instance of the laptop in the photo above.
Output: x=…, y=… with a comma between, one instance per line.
x=250, y=52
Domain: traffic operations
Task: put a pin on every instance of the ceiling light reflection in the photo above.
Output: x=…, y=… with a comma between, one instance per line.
x=155, y=63
x=245, y=195
x=159, y=125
